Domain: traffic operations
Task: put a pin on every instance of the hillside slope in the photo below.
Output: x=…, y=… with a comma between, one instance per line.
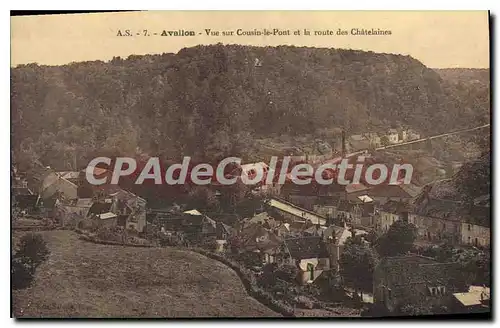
x=81, y=279
x=212, y=101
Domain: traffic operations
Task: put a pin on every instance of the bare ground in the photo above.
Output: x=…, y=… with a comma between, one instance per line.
x=82, y=279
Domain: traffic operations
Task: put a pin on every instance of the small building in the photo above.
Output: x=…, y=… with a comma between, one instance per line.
x=309, y=254
x=363, y=214
x=474, y=234
x=415, y=281
x=327, y=207
x=71, y=176
x=261, y=242
x=292, y=213
x=54, y=184
x=393, y=136
x=475, y=300
x=223, y=233
x=389, y=213
x=385, y=192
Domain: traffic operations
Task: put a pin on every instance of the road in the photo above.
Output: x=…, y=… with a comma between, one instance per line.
x=432, y=137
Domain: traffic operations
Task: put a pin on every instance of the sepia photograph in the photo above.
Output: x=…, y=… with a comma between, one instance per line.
x=250, y=164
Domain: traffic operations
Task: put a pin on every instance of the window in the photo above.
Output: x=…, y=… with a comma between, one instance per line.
x=469, y=227
x=442, y=290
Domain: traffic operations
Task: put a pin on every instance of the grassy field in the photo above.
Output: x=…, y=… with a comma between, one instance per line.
x=82, y=279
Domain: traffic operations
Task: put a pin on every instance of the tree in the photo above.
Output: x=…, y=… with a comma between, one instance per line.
x=475, y=265
x=33, y=249
x=32, y=252
x=287, y=272
x=398, y=239
x=357, y=264
x=203, y=198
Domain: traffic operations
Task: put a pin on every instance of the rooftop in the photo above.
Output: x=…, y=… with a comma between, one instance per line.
x=306, y=247
x=296, y=211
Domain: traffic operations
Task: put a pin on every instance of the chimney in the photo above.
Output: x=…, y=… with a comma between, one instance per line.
x=343, y=143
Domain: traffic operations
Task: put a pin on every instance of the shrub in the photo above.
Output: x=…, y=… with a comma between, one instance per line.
x=33, y=249
x=287, y=272
x=32, y=252
x=21, y=273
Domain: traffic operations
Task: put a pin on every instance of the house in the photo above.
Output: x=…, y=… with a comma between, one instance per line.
x=71, y=176
x=389, y=213
x=334, y=190
x=192, y=224
x=79, y=206
x=414, y=280
x=262, y=218
x=473, y=234
x=354, y=190
x=335, y=238
x=302, y=195
x=54, y=184
x=75, y=209
x=385, y=192
x=131, y=209
x=475, y=300
x=289, y=212
x=393, y=136
x=327, y=206
x=362, y=214
x=309, y=254
x=263, y=243
x=223, y=233
x=437, y=220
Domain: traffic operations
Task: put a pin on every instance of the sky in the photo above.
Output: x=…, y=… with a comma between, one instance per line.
x=439, y=39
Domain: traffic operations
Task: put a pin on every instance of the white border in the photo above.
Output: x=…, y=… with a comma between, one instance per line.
x=197, y=5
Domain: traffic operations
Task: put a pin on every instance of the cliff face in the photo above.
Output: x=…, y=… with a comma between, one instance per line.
x=209, y=101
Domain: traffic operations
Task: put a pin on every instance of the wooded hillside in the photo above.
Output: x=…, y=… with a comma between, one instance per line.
x=211, y=101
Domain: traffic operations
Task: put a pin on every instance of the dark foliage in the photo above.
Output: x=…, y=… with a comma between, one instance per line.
x=210, y=101
x=21, y=273
x=32, y=252
x=357, y=263
x=398, y=239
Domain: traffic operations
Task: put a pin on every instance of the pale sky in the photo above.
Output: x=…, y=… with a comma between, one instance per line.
x=439, y=39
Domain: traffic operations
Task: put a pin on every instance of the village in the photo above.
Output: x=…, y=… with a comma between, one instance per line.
x=296, y=244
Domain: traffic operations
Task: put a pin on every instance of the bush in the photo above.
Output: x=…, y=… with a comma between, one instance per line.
x=21, y=274
x=32, y=252
x=287, y=272
x=33, y=249
x=110, y=234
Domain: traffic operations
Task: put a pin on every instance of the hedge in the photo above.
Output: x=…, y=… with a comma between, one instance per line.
x=250, y=283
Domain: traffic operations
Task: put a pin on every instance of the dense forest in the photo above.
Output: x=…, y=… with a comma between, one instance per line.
x=211, y=101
